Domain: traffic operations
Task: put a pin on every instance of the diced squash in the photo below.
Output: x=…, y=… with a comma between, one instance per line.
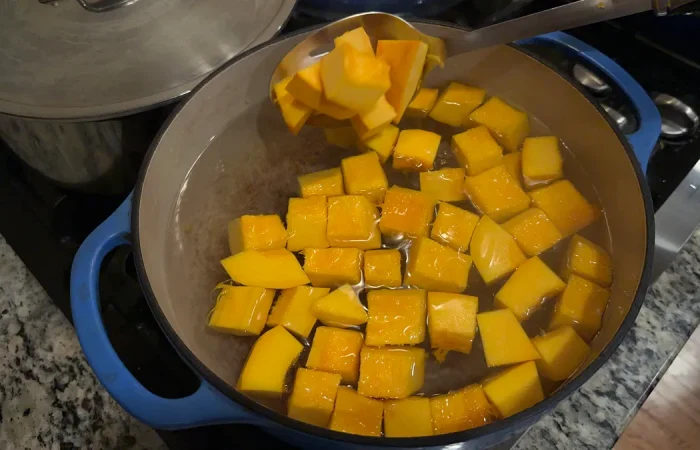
x=436, y=267
x=357, y=414
x=406, y=60
x=408, y=417
x=495, y=252
x=340, y=308
x=353, y=222
x=363, y=175
x=241, y=310
x=343, y=137
x=528, y=287
x=513, y=164
x=313, y=396
x=542, y=161
x=505, y=341
x=508, y=125
x=460, y=410
x=371, y=122
x=454, y=227
x=336, y=350
x=586, y=259
x=357, y=38
x=272, y=269
x=294, y=112
x=305, y=86
x=476, y=150
x=396, y=317
x=327, y=183
x=307, y=223
x=568, y=210
x=262, y=375
x=456, y=103
x=582, y=306
x=496, y=194
x=391, y=372
x=452, y=321
x=293, y=309
x=444, y=184
x=332, y=267
x=416, y=150
x=382, y=268
x=406, y=212
x=334, y=112
x=562, y=351
x=515, y=389
x=382, y=143
x=422, y=103
x=256, y=233
x=533, y=231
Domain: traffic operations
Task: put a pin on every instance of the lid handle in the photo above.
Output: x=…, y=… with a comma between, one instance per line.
x=99, y=5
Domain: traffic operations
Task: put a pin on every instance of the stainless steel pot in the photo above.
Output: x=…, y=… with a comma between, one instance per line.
x=226, y=152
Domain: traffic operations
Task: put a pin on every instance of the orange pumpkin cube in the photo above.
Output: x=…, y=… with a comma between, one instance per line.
x=391, y=372
x=436, y=267
x=562, y=351
x=456, y=103
x=416, y=150
x=382, y=143
x=241, y=310
x=356, y=414
x=265, y=232
x=408, y=417
x=327, y=183
x=513, y=164
x=363, y=175
x=495, y=252
x=307, y=223
x=422, y=103
x=332, y=267
x=313, y=396
x=533, y=231
x=454, y=227
x=444, y=184
x=586, y=259
x=383, y=268
x=568, y=210
x=336, y=350
x=293, y=309
x=496, y=194
x=460, y=410
x=406, y=59
x=357, y=38
x=508, y=125
x=406, y=212
x=396, y=317
x=582, y=306
x=515, y=389
x=341, y=308
x=476, y=150
x=504, y=339
x=452, y=321
x=369, y=123
x=353, y=222
x=542, y=161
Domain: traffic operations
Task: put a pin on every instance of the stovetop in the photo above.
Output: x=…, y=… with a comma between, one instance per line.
x=39, y=215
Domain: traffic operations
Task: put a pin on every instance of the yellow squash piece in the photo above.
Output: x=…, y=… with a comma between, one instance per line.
x=327, y=183
x=370, y=123
x=340, y=308
x=293, y=309
x=416, y=150
x=408, y=417
x=508, y=125
x=263, y=375
x=273, y=269
x=382, y=268
x=382, y=143
x=307, y=223
x=495, y=252
x=357, y=38
x=406, y=212
x=542, y=161
x=455, y=104
x=454, y=227
x=305, y=86
x=241, y=310
x=396, y=317
x=496, y=194
x=562, y=351
x=256, y=233
x=588, y=260
x=363, y=175
x=568, y=210
x=515, y=389
x=406, y=60
x=505, y=341
x=513, y=164
x=357, y=414
x=391, y=372
x=422, y=103
x=460, y=410
x=582, y=306
x=343, y=137
x=353, y=222
x=332, y=267
x=444, y=184
x=336, y=350
x=294, y=112
x=436, y=267
x=313, y=396
x=533, y=231
x=452, y=321
x=476, y=150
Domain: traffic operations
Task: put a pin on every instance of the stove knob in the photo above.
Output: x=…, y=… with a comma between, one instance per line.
x=623, y=123
x=590, y=80
x=678, y=120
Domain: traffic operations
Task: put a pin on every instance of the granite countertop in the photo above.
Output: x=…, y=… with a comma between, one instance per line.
x=49, y=397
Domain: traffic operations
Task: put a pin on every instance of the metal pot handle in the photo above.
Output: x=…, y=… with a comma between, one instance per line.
x=644, y=139
x=205, y=407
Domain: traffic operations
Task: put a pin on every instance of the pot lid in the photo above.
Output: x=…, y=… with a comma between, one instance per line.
x=88, y=59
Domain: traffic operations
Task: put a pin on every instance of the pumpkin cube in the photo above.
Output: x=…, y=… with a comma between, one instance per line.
x=353, y=222
x=307, y=223
x=505, y=341
x=444, y=184
x=515, y=389
x=513, y=164
x=305, y=86
x=460, y=410
x=331, y=267
x=241, y=310
x=265, y=375
x=408, y=417
x=542, y=161
x=454, y=227
x=313, y=396
x=363, y=175
x=422, y=103
x=495, y=252
x=568, y=210
x=508, y=125
x=452, y=321
x=396, y=317
x=336, y=350
x=293, y=309
x=383, y=268
x=272, y=269
x=416, y=150
x=436, y=267
x=455, y=104
x=496, y=194
x=341, y=308
x=476, y=150
x=582, y=306
x=294, y=112
x=357, y=38
x=406, y=59
x=256, y=233
x=369, y=123
x=343, y=137
x=562, y=351
x=533, y=231
x=391, y=372
x=382, y=143
x=586, y=259
x=327, y=183
x=357, y=414
x=528, y=287
x=406, y=212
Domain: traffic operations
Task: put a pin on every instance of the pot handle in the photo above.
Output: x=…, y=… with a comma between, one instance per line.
x=204, y=407
x=644, y=139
